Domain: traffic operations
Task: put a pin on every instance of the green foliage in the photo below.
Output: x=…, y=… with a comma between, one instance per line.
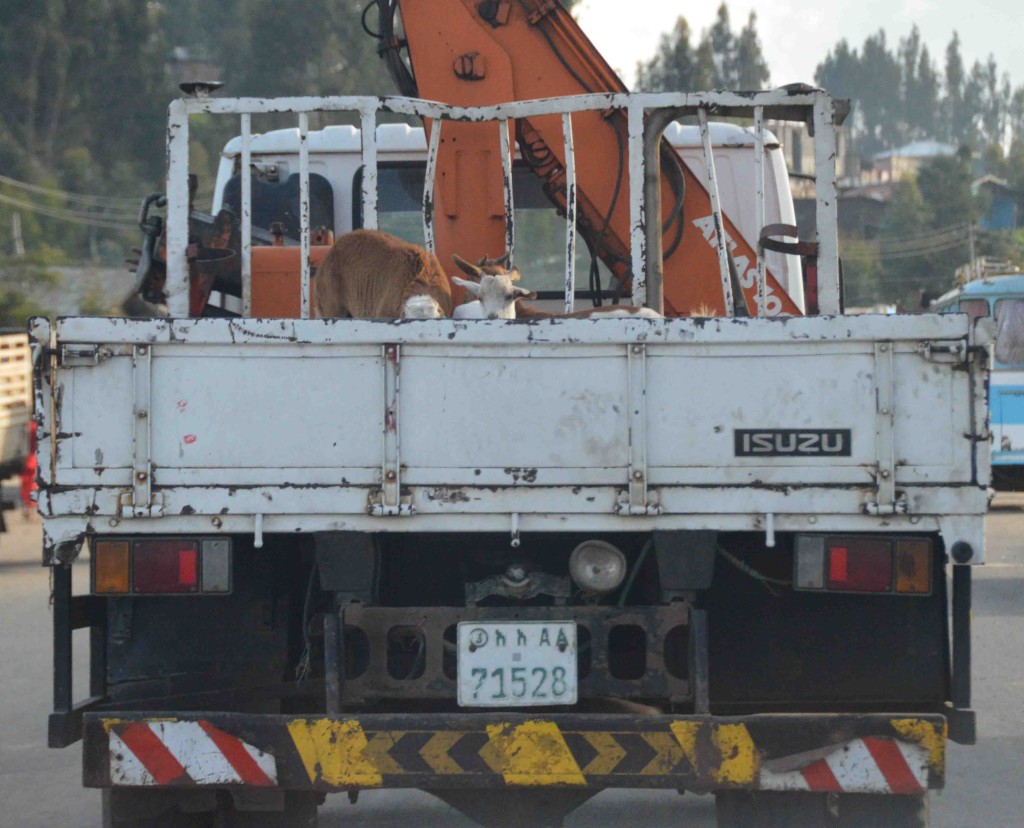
x=721, y=60
x=899, y=95
x=21, y=281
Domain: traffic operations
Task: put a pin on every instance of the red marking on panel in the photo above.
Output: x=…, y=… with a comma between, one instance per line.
x=893, y=766
x=152, y=753
x=837, y=563
x=819, y=777
x=188, y=567
x=234, y=751
x=190, y=438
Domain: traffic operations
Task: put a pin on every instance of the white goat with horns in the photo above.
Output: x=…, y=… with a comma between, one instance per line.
x=499, y=299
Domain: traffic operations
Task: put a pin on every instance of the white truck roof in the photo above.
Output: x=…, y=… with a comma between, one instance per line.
x=405, y=138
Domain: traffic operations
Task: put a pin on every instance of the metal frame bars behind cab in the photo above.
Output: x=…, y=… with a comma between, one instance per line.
x=570, y=212
x=304, y=214
x=246, y=175
x=506, y=187
x=759, y=206
x=429, y=180
x=812, y=106
x=721, y=242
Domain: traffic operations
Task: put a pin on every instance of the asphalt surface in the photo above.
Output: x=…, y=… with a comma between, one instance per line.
x=41, y=788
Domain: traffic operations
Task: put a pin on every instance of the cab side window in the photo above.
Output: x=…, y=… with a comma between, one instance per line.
x=1010, y=332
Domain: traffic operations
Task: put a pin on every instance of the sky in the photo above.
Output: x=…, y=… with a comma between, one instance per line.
x=796, y=34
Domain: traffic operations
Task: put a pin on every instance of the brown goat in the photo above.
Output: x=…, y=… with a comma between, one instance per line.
x=372, y=275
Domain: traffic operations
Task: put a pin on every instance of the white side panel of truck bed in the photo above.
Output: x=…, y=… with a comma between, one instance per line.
x=569, y=424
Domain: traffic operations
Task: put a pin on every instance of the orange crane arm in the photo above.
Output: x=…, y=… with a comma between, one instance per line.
x=488, y=52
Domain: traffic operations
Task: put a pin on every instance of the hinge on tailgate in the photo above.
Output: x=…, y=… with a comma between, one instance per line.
x=954, y=352
x=83, y=356
x=128, y=507
x=379, y=508
x=899, y=506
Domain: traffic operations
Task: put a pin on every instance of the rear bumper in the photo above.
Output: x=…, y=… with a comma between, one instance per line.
x=828, y=752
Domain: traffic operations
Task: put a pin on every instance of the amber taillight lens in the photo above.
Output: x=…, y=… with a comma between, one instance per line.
x=111, y=568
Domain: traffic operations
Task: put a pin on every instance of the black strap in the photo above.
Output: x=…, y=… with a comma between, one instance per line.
x=800, y=248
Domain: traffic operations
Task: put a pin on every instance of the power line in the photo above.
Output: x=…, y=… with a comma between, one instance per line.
x=72, y=216
x=80, y=198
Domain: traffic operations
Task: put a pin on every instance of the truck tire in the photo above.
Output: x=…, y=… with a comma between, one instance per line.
x=870, y=810
x=798, y=809
x=771, y=809
x=133, y=808
x=299, y=812
x=159, y=809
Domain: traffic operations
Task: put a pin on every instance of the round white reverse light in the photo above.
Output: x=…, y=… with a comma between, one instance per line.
x=597, y=566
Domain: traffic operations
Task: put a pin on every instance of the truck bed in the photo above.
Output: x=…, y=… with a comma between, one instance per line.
x=248, y=425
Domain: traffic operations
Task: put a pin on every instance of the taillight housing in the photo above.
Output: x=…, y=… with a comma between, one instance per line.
x=161, y=566
x=863, y=564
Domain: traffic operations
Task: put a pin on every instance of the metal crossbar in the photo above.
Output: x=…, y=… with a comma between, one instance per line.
x=814, y=107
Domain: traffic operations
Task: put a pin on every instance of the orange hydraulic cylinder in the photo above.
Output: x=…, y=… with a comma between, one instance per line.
x=536, y=50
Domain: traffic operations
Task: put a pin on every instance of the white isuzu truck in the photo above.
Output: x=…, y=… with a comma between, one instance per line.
x=513, y=563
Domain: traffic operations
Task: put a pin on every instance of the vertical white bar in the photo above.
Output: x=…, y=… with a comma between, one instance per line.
x=637, y=218
x=177, y=210
x=570, y=212
x=246, y=173
x=506, y=177
x=716, y=210
x=368, y=132
x=826, y=211
x=759, y=205
x=428, y=186
x=304, y=210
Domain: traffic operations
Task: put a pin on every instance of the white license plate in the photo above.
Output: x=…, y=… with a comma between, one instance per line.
x=517, y=663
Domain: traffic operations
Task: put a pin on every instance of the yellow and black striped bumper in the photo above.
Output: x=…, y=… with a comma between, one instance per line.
x=865, y=753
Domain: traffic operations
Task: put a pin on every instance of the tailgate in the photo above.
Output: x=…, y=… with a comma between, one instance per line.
x=567, y=424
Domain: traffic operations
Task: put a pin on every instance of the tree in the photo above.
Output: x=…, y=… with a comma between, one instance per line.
x=721, y=60
x=959, y=122
x=749, y=66
x=675, y=66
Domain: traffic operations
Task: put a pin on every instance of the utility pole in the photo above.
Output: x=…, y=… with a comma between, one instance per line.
x=970, y=242
x=19, y=242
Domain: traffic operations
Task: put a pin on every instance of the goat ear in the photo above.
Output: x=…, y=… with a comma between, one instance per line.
x=467, y=268
x=523, y=293
x=472, y=287
x=514, y=274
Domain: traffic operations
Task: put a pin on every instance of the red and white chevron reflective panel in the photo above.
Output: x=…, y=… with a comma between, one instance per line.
x=185, y=753
x=868, y=765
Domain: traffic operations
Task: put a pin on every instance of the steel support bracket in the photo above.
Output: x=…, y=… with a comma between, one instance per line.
x=140, y=501
x=637, y=499
x=885, y=474
x=388, y=499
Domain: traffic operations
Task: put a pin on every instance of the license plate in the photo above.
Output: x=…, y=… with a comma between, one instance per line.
x=517, y=663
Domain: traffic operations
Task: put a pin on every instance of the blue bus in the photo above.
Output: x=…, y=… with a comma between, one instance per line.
x=1002, y=298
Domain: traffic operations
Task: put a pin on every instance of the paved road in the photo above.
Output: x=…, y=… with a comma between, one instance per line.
x=40, y=788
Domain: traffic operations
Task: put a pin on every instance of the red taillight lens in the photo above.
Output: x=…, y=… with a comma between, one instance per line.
x=860, y=565
x=165, y=566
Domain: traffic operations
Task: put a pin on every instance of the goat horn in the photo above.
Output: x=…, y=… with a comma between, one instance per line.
x=467, y=268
